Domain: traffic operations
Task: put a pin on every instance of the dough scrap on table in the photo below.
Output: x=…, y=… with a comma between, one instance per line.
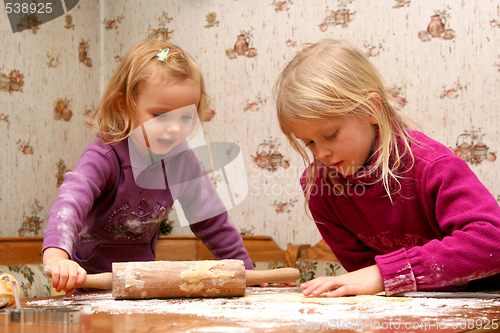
x=300, y=298
x=7, y=290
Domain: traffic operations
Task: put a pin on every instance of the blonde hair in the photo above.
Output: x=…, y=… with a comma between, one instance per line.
x=137, y=65
x=332, y=78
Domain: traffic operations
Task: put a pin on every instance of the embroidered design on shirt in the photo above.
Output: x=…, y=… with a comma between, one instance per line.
x=109, y=226
x=382, y=244
x=379, y=243
x=136, y=225
x=412, y=240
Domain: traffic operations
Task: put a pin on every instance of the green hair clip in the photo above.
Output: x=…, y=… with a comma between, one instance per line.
x=162, y=56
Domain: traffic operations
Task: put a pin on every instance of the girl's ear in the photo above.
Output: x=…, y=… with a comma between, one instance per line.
x=376, y=100
x=121, y=106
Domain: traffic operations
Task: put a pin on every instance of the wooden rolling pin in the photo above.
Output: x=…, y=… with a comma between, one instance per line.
x=171, y=279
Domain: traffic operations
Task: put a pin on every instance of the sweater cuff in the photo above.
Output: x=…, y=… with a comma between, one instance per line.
x=396, y=272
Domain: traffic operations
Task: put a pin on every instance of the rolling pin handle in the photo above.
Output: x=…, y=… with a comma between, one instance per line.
x=98, y=281
x=280, y=275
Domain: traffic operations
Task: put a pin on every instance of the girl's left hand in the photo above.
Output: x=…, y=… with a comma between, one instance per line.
x=365, y=281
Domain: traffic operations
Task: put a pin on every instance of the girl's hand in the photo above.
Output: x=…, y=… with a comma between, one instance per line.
x=365, y=281
x=66, y=274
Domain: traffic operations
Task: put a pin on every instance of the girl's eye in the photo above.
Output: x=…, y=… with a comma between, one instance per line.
x=187, y=117
x=161, y=115
x=332, y=136
x=309, y=143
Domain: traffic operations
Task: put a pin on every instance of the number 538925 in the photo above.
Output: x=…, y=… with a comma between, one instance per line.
x=25, y=8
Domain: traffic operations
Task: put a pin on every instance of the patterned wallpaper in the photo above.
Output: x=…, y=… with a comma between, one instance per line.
x=440, y=58
x=49, y=78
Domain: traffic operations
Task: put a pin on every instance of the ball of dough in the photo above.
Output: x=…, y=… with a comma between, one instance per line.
x=7, y=290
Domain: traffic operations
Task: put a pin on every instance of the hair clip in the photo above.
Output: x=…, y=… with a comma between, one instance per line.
x=162, y=56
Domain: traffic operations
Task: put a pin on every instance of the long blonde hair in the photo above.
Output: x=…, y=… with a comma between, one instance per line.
x=137, y=65
x=332, y=78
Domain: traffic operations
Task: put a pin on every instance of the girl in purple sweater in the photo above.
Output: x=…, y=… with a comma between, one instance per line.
x=400, y=211
x=110, y=206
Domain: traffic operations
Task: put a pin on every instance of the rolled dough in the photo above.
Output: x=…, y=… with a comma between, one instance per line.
x=300, y=298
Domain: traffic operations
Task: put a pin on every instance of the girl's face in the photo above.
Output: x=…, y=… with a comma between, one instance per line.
x=165, y=113
x=342, y=143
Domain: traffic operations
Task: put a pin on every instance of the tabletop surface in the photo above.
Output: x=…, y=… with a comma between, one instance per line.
x=275, y=309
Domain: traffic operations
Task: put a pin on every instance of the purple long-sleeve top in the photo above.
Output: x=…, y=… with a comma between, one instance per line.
x=441, y=230
x=102, y=216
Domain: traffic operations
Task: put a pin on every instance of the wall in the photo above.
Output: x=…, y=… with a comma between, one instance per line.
x=42, y=131
x=449, y=83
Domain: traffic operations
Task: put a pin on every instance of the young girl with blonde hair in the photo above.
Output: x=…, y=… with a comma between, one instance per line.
x=106, y=211
x=400, y=211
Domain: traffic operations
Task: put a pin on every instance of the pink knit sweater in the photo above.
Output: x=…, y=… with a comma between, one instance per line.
x=441, y=229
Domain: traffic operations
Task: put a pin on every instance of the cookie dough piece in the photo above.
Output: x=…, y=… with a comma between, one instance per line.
x=7, y=290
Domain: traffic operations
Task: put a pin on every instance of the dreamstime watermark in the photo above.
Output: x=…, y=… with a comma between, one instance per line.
x=170, y=152
x=28, y=14
x=286, y=182
x=364, y=324
x=259, y=188
x=281, y=182
x=347, y=188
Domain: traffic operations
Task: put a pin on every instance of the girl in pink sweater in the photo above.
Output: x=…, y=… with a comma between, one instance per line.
x=400, y=211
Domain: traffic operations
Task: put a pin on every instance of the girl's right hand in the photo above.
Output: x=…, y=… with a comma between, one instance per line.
x=364, y=281
x=66, y=274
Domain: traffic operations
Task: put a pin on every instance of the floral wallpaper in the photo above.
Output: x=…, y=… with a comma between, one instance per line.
x=46, y=81
x=441, y=60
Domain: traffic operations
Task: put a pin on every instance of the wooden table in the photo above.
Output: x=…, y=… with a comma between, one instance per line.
x=250, y=315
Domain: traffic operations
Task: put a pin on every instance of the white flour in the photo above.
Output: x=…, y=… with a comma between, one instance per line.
x=272, y=313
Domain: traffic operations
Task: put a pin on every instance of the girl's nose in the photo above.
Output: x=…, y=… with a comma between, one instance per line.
x=323, y=153
x=173, y=127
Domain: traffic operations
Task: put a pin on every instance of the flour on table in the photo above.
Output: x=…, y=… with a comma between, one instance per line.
x=264, y=307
